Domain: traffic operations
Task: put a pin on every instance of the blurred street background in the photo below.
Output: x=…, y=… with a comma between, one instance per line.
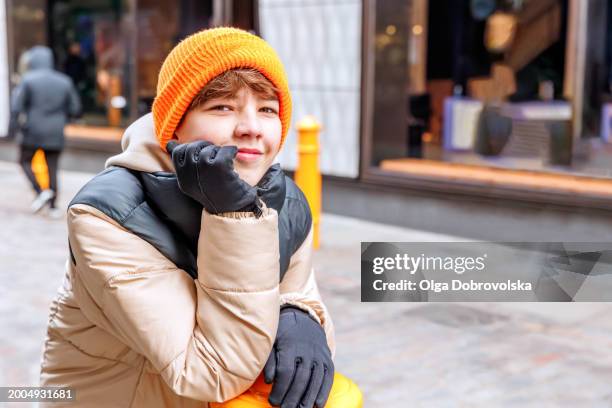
x=400, y=354
x=440, y=121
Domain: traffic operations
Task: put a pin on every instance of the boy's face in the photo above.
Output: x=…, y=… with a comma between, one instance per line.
x=244, y=120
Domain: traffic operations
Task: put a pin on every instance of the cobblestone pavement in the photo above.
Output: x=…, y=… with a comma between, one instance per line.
x=401, y=355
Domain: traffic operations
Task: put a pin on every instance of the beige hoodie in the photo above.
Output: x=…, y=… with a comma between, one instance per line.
x=128, y=328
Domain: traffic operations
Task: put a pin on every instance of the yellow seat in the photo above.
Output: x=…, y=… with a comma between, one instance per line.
x=344, y=394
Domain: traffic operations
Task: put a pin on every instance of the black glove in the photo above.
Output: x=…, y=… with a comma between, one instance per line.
x=205, y=172
x=300, y=363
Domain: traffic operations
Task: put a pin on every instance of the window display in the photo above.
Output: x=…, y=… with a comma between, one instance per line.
x=501, y=89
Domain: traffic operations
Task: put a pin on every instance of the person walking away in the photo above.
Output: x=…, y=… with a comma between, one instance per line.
x=46, y=98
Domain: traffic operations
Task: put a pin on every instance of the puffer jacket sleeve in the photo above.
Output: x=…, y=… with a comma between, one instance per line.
x=299, y=288
x=207, y=338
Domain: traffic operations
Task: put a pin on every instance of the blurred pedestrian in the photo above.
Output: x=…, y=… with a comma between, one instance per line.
x=45, y=98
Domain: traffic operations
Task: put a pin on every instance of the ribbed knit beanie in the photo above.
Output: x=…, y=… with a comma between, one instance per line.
x=203, y=56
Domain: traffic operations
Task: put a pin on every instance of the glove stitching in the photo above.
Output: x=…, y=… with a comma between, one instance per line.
x=182, y=154
x=202, y=191
x=309, y=389
x=212, y=156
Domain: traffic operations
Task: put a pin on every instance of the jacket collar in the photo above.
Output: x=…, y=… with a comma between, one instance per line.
x=272, y=188
x=183, y=214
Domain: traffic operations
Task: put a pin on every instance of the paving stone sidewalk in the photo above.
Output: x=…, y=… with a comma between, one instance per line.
x=401, y=355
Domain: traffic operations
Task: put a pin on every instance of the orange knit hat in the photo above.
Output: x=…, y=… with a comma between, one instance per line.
x=203, y=56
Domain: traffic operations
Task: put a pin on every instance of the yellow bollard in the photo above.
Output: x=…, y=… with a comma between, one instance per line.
x=307, y=174
x=114, y=114
x=344, y=394
x=39, y=167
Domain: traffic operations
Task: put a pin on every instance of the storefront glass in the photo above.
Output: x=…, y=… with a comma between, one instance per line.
x=112, y=49
x=161, y=25
x=26, y=28
x=90, y=42
x=490, y=84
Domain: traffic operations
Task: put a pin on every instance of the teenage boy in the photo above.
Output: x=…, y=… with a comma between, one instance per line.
x=191, y=272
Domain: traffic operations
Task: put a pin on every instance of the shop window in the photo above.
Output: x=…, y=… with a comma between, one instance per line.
x=161, y=25
x=112, y=49
x=90, y=42
x=485, y=84
x=26, y=23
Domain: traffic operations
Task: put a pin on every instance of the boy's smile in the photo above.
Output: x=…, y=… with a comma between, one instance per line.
x=245, y=120
x=248, y=155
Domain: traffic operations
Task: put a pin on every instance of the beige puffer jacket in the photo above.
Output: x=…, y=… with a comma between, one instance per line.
x=128, y=328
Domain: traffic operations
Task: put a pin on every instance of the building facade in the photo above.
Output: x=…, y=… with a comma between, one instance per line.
x=113, y=49
x=501, y=99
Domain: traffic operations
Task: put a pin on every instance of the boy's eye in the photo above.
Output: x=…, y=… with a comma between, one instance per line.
x=221, y=108
x=267, y=109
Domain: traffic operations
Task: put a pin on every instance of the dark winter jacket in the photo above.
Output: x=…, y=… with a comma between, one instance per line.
x=152, y=206
x=47, y=98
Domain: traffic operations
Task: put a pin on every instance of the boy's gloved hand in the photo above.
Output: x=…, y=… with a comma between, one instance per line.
x=205, y=172
x=300, y=363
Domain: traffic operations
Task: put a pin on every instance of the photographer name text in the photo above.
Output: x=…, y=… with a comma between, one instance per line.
x=455, y=285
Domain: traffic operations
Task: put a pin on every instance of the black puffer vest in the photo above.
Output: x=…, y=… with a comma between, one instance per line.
x=152, y=206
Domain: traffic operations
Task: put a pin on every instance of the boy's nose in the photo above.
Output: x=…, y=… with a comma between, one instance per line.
x=248, y=125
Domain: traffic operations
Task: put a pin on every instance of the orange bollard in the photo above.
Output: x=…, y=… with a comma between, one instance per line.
x=307, y=174
x=40, y=169
x=344, y=394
